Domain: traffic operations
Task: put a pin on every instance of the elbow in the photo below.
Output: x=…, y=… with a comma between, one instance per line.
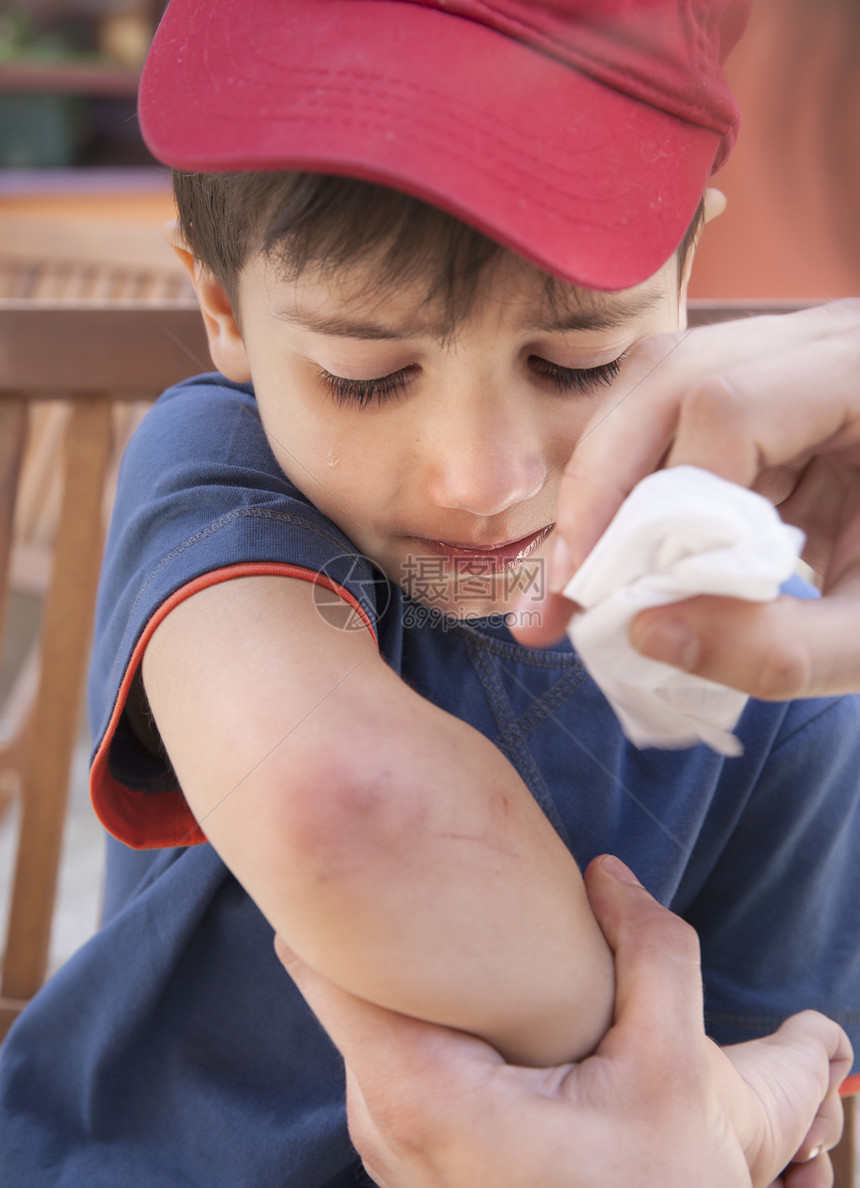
x=312, y=835
x=330, y=834
x=341, y=820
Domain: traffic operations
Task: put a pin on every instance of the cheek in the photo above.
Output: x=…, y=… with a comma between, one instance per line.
x=325, y=463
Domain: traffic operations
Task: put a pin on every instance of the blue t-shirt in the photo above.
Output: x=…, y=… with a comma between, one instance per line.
x=172, y=1049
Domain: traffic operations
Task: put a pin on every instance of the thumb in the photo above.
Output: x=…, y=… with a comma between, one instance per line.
x=777, y=650
x=340, y=1013
x=657, y=968
x=336, y=1010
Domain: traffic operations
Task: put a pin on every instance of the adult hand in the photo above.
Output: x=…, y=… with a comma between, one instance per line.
x=658, y=1104
x=771, y=403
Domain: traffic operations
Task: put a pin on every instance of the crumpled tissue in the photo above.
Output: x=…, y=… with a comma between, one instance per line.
x=681, y=532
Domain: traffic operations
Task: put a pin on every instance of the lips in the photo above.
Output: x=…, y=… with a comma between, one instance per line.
x=487, y=558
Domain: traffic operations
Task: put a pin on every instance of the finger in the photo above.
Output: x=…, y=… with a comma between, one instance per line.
x=364, y=1132
x=393, y=1045
x=729, y=421
x=542, y=624
x=825, y=1131
x=795, y=1073
x=774, y=651
x=348, y=1020
x=816, y=1032
x=816, y=1173
x=823, y=500
x=625, y=440
x=658, y=997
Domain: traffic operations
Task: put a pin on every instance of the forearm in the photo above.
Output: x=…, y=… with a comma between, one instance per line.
x=394, y=847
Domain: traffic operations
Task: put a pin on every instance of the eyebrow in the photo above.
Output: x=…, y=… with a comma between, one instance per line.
x=343, y=327
x=600, y=313
x=594, y=313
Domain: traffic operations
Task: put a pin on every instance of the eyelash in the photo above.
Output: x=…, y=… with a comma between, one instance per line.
x=583, y=380
x=360, y=393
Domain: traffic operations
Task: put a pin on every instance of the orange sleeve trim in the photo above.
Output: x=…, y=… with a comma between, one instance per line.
x=850, y=1086
x=163, y=818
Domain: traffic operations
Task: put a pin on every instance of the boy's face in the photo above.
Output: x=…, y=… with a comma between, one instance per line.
x=440, y=459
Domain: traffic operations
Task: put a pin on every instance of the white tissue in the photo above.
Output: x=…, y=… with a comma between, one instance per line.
x=681, y=532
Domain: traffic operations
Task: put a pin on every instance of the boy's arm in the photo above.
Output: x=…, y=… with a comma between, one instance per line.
x=391, y=844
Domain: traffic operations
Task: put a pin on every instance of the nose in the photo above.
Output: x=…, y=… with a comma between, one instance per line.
x=483, y=460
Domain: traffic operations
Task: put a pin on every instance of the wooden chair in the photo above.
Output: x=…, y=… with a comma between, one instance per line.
x=84, y=265
x=91, y=359
x=80, y=262
x=846, y=1162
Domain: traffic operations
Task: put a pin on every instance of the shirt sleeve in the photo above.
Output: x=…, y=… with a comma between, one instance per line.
x=200, y=500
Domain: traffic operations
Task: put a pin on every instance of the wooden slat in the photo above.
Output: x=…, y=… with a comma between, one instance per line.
x=13, y=429
x=10, y=1009
x=701, y=313
x=131, y=349
x=40, y=480
x=66, y=628
x=142, y=248
x=844, y=1157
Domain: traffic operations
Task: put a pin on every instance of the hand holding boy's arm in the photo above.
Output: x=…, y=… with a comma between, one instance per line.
x=771, y=403
x=393, y=846
x=658, y=1105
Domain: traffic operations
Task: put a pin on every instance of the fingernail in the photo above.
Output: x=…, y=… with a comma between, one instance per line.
x=668, y=639
x=560, y=566
x=815, y=1152
x=617, y=870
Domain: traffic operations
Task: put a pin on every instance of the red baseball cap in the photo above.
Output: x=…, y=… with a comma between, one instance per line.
x=579, y=133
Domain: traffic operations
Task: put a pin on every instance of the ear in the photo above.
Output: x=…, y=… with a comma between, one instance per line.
x=222, y=329
x=714, y=205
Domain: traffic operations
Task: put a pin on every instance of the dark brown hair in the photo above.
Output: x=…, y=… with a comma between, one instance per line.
x=332, y=222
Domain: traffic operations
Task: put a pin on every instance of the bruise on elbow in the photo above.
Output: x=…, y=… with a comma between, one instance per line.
x=346, y=819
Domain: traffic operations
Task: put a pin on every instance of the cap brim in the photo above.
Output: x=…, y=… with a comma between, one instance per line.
x=581, y=179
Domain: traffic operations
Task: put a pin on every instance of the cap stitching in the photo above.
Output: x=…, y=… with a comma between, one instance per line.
x=492, y=161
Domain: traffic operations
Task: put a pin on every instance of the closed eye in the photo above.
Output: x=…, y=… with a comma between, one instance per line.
x=384, y=388
x=577, y=379
x=360, y=393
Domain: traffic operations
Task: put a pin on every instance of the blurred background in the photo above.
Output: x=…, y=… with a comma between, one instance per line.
x=70, y=147
x=69, y=72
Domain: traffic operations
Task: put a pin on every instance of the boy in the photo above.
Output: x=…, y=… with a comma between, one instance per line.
x=376, y=792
